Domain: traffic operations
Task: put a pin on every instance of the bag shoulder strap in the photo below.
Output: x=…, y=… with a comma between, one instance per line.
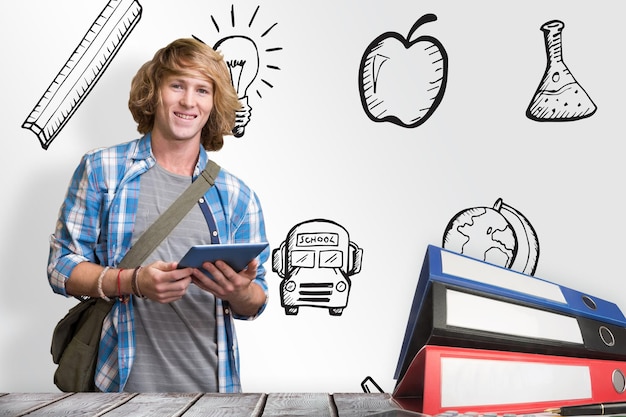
x=155, y=234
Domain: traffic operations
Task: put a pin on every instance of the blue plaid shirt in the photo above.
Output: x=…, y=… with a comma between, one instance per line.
x=96, y=224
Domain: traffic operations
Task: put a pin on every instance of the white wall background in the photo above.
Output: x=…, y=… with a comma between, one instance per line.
x=311, y=152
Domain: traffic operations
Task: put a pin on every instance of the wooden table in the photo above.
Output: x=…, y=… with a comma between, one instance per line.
x=199, y=405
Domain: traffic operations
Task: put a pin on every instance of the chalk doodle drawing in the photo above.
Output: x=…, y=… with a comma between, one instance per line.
x=243, y=64
x=500, y=235
x=83, y=69
x=403, y=80
x=315, y=263
x=559, y=97
x=245, y=61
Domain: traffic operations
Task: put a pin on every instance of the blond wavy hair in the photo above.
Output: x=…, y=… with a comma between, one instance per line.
x=186, y=57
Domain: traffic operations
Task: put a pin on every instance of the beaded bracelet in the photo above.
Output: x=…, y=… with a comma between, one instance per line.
x=134, y=283
x=100, y=278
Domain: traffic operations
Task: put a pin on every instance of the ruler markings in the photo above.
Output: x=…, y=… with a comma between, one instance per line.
x=83, y=69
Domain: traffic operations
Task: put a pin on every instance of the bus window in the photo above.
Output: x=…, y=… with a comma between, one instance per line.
x=303, y=258
x=331, y=259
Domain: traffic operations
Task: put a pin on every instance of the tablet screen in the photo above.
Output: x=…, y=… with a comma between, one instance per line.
x=236, y=255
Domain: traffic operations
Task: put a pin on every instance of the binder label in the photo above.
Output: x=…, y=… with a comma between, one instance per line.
x=461, y=266
x=470, y=311
x=473, y=382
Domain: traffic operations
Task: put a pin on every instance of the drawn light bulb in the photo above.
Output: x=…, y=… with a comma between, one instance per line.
x=242, y=57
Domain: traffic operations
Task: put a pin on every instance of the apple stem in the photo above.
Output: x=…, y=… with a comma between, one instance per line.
x=422, y=20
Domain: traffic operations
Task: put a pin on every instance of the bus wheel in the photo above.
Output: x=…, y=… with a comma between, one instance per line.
x=291, y=311
x=335, y=311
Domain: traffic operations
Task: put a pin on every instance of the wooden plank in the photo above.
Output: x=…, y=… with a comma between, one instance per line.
x=199, y=405
x=19, y=404
x=228, y=405
x=83, y=404
x=362, y=404
x=299, y=404
x=155, y=405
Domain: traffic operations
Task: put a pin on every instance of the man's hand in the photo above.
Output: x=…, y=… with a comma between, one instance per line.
x=245, y=297
x=163, y=282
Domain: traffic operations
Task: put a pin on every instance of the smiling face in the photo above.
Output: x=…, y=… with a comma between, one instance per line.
x=185, y=105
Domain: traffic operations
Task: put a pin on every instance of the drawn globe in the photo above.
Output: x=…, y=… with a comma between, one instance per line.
x=482, y=233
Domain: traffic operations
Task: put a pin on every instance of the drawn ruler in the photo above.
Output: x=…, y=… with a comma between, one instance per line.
x=83, y=69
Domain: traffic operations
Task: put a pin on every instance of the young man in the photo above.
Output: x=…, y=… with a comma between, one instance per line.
x=164, y=334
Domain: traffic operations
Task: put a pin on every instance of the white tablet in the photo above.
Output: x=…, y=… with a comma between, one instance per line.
x=236, y=255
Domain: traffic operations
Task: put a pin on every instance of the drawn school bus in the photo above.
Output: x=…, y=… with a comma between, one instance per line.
x=315, y=262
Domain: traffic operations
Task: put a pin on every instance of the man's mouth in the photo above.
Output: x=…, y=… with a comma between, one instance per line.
x=185, y=116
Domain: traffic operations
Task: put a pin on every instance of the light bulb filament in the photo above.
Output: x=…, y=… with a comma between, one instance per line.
x=236, y=62
x=235, y=77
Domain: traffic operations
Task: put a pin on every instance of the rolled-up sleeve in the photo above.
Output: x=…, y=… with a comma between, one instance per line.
x=251, y=228
x=75, y=237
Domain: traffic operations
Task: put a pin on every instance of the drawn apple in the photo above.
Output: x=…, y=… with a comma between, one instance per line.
x=402, y=80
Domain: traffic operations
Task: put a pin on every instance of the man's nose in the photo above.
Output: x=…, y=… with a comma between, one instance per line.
x=187, y=98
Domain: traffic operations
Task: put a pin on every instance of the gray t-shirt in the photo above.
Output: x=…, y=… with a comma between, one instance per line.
x=176, y=348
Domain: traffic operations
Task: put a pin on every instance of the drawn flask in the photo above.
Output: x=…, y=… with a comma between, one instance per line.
x=559, y=96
